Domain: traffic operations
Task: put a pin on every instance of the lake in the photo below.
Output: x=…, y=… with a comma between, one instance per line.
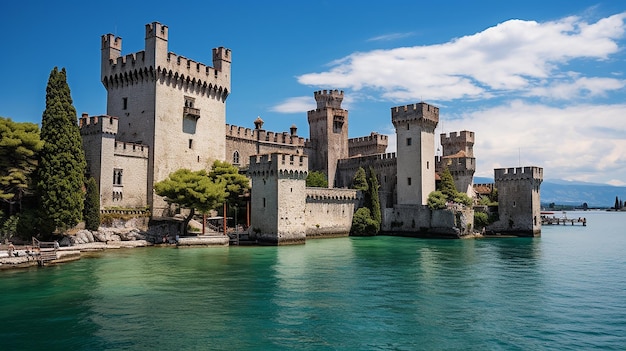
x=563, y=291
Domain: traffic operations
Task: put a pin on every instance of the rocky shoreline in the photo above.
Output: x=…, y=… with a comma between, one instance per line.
x=71, y=246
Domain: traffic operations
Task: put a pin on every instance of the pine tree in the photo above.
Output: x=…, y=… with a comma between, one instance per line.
x=447, y=186
x=61, y=169
x=193, y=190
x=19, y=148
x=91, y=213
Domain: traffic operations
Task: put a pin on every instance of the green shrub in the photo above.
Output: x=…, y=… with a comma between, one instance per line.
x=362, y=222
x=436, y=200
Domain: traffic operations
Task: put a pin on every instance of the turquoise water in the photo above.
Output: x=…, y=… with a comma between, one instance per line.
x=563, y=291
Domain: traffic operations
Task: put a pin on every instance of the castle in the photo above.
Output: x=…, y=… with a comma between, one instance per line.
x=166, y=112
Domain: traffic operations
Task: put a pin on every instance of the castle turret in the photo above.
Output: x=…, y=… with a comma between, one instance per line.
x=120, y=169
x=278, y=198
x=458, y=157
x=519, y=203
x=415, y=127
x=156, y=43
x=328, y=128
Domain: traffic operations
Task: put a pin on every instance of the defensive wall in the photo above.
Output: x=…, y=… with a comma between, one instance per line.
x=285, y=211
x=368, y=145
x=241, y=143
x=421, y=221
x=328, y=212
x=384, y=165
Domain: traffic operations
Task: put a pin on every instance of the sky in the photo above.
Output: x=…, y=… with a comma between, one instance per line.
x=540, y=83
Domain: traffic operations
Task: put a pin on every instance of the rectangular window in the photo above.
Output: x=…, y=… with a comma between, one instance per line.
x=409, y=141
x=125, y=103
x=190, y=143
x=263, y=202
x=408, y=180
x=117, y=176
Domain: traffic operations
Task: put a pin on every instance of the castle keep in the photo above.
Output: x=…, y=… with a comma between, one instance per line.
x=166, y=112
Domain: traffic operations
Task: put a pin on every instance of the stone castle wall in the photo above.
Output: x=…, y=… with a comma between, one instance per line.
x=120, y=168
x=328, y=212
x=241, y=143
x=384, y=166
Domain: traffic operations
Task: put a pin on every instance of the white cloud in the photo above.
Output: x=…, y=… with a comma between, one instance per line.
x=582, y=142
x=391, y=36
x=295, y=105
x=516, y=55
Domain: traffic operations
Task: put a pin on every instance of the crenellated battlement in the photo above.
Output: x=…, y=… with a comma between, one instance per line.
x=156, y=30
x=464, y=136
x=97, y=125
x=328, y=98
x=256, y=135
x=425, y=114
x=368, y=145
x=280, y=165
x=372, y=138
x=325, y=194
x=455, y=164
x=155, y=62
x=357, y=161
x=131, y=149
x=531, y=172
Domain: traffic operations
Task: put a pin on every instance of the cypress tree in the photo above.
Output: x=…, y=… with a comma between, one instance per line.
x=91, y=213
x=359, y=181
x=62, y=162
x=374, y=201
x=616, y=206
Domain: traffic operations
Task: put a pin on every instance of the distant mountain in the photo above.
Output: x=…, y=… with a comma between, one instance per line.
x=564, y=192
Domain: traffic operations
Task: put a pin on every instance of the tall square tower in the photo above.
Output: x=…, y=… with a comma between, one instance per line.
x=173, y=104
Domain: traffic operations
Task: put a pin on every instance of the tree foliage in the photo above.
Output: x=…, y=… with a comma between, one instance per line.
x=362, y=223
x=462, y=198
x=481, y=219
x=317, y=179
x=374, y=201
x=436, y=200
x=367, y=220
x=19, y=147
x=61, y=169
x=236, y=184
x=359, y=181
x=91, y=212
x=447, y=192
x=446, y=185
x=193, y=190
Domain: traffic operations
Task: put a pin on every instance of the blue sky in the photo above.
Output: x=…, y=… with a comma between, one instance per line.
x=539, y=82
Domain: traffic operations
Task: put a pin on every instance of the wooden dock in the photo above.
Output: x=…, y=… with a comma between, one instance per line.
x=546, y=220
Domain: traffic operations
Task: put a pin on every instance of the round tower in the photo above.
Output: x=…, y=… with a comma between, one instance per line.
x=415, y=129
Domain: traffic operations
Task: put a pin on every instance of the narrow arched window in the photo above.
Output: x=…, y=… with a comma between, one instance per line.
x=236, y=157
